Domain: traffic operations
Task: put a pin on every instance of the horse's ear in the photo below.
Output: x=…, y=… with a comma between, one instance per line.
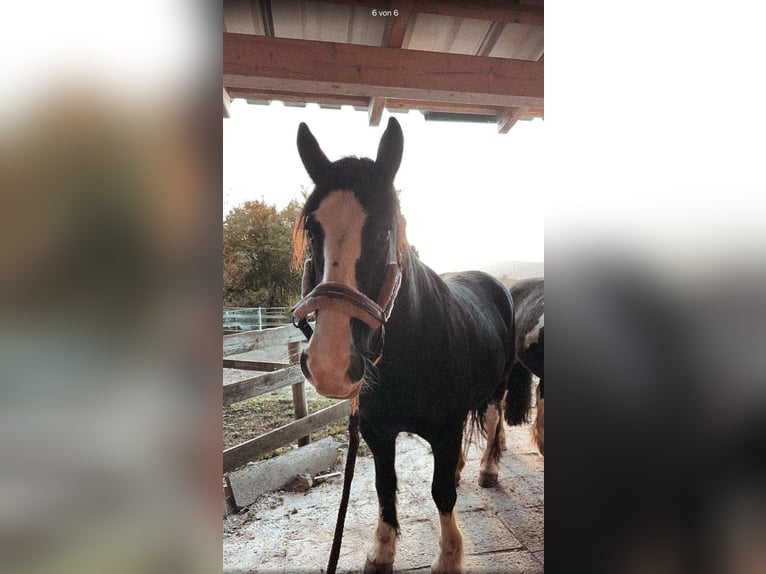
x=390, y=149
x=313, y=158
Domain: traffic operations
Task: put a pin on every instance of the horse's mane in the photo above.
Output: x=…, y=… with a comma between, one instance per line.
x=300, y=245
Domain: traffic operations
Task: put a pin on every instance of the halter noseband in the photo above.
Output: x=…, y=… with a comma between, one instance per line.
x=352, y=302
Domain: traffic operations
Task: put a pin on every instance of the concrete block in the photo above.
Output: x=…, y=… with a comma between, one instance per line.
x=251, y=481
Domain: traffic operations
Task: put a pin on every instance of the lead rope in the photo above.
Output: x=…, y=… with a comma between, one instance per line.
x=353, y=446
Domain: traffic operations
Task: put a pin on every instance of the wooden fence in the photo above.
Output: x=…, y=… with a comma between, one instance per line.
x=270, y=377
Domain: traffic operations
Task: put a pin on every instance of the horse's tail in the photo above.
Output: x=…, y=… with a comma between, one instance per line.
x=518, y=401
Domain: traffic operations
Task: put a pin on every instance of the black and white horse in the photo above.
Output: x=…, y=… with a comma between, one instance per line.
x=528, y=298
x=420, y=352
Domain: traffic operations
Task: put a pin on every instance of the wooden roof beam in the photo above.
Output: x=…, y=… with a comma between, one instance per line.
x=491, y=38
x=226, y=104
x=281, y=64
x=266, y=17
x=507, y=118
x=375, y=110
x=507, y=12
x=396, y=26
x=497, y=10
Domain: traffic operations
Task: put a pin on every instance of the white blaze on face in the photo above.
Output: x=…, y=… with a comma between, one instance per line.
x=329, y=352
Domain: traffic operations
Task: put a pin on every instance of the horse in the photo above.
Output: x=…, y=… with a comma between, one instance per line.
x=528, y=298
x=419, y=352
x=529, y=317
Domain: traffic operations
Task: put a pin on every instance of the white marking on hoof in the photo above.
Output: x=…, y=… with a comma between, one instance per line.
x=450, y=558
x=381, y=556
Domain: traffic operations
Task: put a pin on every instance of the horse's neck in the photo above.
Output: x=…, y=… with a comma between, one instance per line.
x=421, y=291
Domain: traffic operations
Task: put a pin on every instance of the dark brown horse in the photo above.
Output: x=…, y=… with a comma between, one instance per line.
x=420, y=352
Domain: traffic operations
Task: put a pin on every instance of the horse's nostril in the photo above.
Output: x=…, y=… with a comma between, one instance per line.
x=356, y=369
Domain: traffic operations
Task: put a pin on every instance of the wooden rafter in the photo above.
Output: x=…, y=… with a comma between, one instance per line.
x=491, y=38
x=484, y=10
x=498, y=10
x=226, y=104
x=375, y=110
x=396, y=26
x=280, y=64
x=507, y=118
x=266, y=18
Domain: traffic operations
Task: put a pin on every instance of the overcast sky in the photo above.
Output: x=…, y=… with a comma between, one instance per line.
x=470, y=195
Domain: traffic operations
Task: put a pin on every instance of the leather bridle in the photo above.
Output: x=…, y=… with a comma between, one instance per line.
x=352, y=302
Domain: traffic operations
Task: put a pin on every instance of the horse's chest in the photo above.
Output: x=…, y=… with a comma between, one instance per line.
x=408, y=405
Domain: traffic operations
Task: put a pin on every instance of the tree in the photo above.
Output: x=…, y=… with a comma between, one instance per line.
x=257, y=255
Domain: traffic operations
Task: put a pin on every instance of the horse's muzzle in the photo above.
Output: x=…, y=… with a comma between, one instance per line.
x=329, y=386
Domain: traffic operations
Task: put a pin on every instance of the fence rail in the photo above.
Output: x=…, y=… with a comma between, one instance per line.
x=261, y=384
x=236, y=456
x=271, y=377
x=255, y=318
x=249, y=340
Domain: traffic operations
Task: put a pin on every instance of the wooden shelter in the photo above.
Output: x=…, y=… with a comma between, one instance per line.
x=472, y=60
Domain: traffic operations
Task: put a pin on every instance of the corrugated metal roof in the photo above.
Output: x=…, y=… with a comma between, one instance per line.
x=357, y=53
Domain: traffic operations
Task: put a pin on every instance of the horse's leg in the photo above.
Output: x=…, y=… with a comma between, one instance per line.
x=446, y=453
x=501, y=444
x=380, y=558
x=500, y=426
x=490, y=460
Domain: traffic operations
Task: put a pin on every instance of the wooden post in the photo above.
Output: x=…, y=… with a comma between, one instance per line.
x=300, y=404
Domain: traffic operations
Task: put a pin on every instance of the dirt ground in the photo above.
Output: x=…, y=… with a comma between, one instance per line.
x=503, y=527
x=259, y=415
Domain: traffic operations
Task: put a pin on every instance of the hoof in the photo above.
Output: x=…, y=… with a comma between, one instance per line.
x=487, y=479
x=372, y=568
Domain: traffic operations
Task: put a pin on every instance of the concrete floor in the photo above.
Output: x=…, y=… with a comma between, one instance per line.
x=503, y=527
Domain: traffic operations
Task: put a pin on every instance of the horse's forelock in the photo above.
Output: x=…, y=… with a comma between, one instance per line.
x=347, y=173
